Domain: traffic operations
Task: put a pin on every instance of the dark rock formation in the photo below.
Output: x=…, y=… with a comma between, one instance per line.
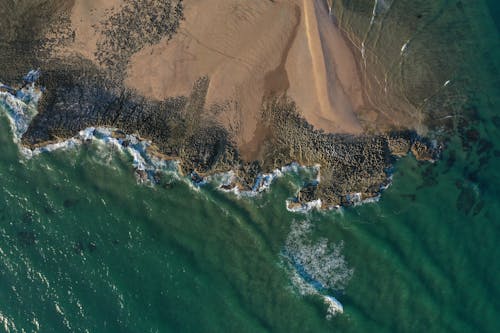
x=80, y=94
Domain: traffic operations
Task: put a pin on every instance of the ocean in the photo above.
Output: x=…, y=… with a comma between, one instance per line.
x=86, y=247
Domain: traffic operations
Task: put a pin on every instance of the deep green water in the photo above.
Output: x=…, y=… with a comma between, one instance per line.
x=84, y=247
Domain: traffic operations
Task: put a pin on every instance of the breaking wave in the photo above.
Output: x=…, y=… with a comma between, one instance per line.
x=20, y=105
x=226, y=181
x=316, y=267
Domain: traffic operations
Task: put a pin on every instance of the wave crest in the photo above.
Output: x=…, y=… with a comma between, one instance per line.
x=317, y=267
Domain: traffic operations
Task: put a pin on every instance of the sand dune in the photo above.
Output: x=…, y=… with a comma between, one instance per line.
x=250, y=50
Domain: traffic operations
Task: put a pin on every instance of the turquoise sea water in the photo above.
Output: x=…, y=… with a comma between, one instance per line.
x=84, y=247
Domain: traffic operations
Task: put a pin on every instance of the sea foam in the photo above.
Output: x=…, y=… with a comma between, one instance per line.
x=227, y=182
x=21, y=108
x=316, y=268
x=304, y=207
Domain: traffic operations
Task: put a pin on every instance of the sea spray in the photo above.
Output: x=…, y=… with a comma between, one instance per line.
x=316, y=267
x=146, y=165
x=21, y=108
x=227, y=182
x=304, y=207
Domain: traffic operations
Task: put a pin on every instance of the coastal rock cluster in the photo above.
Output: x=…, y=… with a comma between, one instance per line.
x=82, y=92
x=353, y=167
x=182, y=130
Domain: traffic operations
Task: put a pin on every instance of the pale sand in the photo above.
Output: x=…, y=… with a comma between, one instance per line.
x=250, y=50
x=322, y=59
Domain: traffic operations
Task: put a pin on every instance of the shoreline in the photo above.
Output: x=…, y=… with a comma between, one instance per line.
x=205, y=138
x=148, y=161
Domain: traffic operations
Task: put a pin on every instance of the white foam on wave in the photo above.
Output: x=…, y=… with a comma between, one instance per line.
x=145, y=164
x=227, y=181
x=7, y=323
x=63, y=145
x=305, y=207
x=21, y=108
x=262, y=183
x=265, y=180
x=316, y=267
x=356, y=199
x=380, y=7
x=334, y=306
x=374, y=12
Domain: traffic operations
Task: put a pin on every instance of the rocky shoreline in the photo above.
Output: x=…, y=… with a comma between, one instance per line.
x=353, y=168
x=80, y=94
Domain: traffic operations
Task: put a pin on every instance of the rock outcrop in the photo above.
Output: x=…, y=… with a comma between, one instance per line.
x=84, y=89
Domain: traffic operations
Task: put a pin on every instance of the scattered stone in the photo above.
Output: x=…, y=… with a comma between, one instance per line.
x=485, y=146
x=78, y=247
x=478, y=208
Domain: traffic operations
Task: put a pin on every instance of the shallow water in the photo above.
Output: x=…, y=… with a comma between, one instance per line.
x=85, y=247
